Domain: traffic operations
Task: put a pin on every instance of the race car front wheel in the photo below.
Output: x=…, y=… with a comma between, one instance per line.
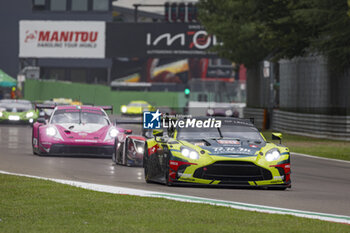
x=145, y=164
x=166, y=169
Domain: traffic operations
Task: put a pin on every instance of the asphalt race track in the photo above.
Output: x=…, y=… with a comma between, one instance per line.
x=317, y=185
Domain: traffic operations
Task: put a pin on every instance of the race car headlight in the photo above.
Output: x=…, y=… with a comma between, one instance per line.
x=210, y=111
x=51, y=131
x=113, y=133
x=194, y=155
x=190, y=153
x=124, y=109
x=29, y=114
x=185, y=152
x=228, y=112
x=272, y=155
x=139, y=149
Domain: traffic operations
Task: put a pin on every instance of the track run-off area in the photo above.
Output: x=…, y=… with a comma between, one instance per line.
x=320, y=187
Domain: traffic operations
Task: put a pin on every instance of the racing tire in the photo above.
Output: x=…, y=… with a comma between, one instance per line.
x=145, y=165
x=166, y=170
x=114, y=154
x=39, y=154
x=117, y=157
x=146, y=174
x=126, y=163
x=34, y=152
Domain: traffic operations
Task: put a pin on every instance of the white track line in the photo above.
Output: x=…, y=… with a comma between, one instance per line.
x=193, y=199
x=318, y=157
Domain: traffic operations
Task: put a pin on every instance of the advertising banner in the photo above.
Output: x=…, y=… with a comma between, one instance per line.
x=158, y=40
x=62, y=39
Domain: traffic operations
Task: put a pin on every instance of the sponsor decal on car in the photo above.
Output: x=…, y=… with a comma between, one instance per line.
x=85, y=140
x=278, y=177
x=230, y=149
x=229, y=142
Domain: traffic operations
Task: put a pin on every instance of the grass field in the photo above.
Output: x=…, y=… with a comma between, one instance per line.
x=315, y=146
x=31, y=205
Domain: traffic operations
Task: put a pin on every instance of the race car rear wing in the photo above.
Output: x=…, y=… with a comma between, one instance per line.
x=129, y=122
x=107, y=108
x=45, y=106
x=147, y=133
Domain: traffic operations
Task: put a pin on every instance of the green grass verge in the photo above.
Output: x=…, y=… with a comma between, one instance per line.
x=315, y=146
x=31, y=205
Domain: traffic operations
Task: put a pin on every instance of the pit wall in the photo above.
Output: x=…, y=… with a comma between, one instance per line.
x=37, y=90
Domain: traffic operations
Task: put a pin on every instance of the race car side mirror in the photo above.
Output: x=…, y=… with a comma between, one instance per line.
x=160, y=139
x=41, y=120
x=128, y=131
x=157, y=133
x=277, y=136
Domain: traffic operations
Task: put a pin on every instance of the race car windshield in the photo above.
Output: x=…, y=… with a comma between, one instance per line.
x=16, y=105
x=198, y=133
x=226, y=131
x=49, y=111
x=79, y=117
x=241, y=132
x=137, y=105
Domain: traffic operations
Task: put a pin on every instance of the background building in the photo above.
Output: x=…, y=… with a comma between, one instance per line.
x=89, y=70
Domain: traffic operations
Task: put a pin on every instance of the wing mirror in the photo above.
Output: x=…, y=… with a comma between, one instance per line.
x=41, y=120
x=157, y=132
x=160, y=139
x=128, y=131
x=277, y=136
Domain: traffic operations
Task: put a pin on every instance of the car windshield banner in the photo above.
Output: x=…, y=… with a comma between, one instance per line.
x=158, y=40
x=62, y=39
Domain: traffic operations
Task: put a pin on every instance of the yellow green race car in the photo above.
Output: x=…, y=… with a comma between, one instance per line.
x=136, y=107
x=17, y=111
x=234, y=154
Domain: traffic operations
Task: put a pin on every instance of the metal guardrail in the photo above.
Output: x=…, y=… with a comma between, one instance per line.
x=316, y=125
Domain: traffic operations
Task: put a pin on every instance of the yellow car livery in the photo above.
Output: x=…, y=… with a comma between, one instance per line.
x=136, y=108
x=234, y=154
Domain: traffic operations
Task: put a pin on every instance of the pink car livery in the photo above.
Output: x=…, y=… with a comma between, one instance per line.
x=75, y=131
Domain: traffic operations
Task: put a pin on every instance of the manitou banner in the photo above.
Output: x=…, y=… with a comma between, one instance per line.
x=62, y=39
x=158, y=40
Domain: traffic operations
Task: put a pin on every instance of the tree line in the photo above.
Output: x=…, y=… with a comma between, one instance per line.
x=254, y=30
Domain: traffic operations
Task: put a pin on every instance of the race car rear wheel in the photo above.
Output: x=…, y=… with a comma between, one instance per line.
x=118, y=153
x=114, y=152
x=125, y=157
x=146, y=174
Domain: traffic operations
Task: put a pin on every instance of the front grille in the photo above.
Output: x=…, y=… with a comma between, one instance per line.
x=81, y=150
x=233, y=171
x=15, y=110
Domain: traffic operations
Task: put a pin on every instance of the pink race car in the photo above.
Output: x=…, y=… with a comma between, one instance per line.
x=75, y=131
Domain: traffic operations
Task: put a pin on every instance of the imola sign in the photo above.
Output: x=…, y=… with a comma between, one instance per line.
x=159, y=40
x=200, y=39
